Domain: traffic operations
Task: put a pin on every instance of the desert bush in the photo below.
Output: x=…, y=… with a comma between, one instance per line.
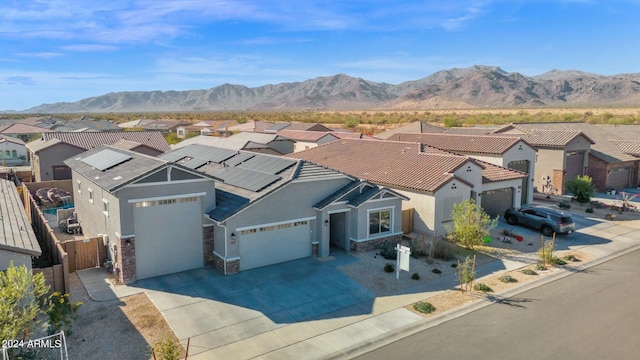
x=572, y=258
x=415, y=276
x=582, y=188
x=564, y=205
x=545, y=253
x=471, y=224
x=166, y=350
x=541, y=266
x=557, y=261
x=467, y=272
x=508, y=279
x=388, y=252
x=389, y=267
x=589, y=210
x=482, y=287
x=424, y=307
x=436, y=271
x=528, y=272
x=443, y=250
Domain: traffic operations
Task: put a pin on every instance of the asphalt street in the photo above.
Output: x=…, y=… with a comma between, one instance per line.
x=592, y=314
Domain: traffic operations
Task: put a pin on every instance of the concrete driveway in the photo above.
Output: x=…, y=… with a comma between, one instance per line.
x=214, y=310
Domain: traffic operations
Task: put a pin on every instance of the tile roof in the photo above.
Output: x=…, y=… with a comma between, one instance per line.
x=119, y=175
x=540, y=135
x=416, y=127
x=631, y=147
x=18, y=128
x=16, y=233
x=479, y=130
x=477, y=144
x=10, y=139
x=90, y=140
x=260, y=138
x=390, y=163
x=307, y=127
x=493, y=173
x=254, y=126
x=227, y=143
x=303, y=135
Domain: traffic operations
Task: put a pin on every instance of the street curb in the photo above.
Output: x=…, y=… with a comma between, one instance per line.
x=425, y=324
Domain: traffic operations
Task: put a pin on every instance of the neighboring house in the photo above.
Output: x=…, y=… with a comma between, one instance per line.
x=509, y=152
x=416, y=127
x=563, y=153
x=18, y=242
x=433, y=179
x=614, y=160
x=13, y=151
x=21, y=131
x=47, y=155
x=307, y=139
x=271, y=209
x=260, y=143
x=207, y=128
x=198, y=206
x=251, y=126
x=148, y=211
x=306, y=127
x=164, y=126
x=83, y=123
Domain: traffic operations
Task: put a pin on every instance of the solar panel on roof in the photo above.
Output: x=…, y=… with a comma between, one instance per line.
x=105, y=159
x=245, y=178
x=194, y=163
x=173, y=156
x=267, y=164
x=238, y=159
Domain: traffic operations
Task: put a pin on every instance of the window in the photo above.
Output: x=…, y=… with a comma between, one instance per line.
x=14, y=154
x=166, y=202
x=379, y=222
x=146, y=204
x=7, y=154
x=105, y=207
x=90, y=196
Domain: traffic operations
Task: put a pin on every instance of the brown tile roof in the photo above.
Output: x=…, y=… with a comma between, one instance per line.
x=18, y=128
x=396, y=164
x=347, y=135
x=90, y=140
x=480, y=130
x=10, y=139
x=537, y=134
x=631, y=147
x=492, y=173
x=307, y=127
x=416, y=127
x=477, y=144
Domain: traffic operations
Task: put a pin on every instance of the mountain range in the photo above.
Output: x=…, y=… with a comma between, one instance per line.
x=474, y=87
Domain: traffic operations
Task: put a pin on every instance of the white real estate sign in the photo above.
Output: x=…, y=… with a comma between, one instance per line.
x=402, y=259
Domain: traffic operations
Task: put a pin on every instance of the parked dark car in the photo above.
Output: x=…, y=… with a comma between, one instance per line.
x=547, y=220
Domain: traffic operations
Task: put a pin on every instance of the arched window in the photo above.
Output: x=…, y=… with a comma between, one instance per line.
x=7, y=154
x=14, y=154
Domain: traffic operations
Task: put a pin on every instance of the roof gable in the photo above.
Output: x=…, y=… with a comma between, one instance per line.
x=476, y=144
x=90, y=140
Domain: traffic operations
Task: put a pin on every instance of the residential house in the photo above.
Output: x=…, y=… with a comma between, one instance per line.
x=13, y=151
x=509, y=152
x=307, y=139
x=256, y=142
x=236, y=210
x=21, y=131
x=416, y=127
x=432, y=179
x=47, y=155
x=251, y=126
x=563, y=153
x=207, y=128
x=164, y=126
x=18, y=242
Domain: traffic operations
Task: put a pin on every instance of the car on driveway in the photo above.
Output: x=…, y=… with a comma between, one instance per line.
x=547, y=220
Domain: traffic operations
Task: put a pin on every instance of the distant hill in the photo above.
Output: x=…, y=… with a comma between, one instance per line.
x=473, y=87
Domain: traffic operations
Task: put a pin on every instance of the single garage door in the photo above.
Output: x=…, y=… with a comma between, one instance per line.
x=495, y=202
x=619, y=178
x=272, y=244
x=168, y=236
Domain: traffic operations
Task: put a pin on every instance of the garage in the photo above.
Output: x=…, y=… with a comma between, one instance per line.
x=619, y=178
x=168, y=237
x=574, y=166
x=495, y=202
x=271, y=244
x=523, y=166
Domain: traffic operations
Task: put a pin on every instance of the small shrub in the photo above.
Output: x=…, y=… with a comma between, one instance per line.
x=436, y=271
x=415, y=276
x=508, y=279
x=540, y=267
x=557, y=261
x=589, y=210
x=443, y=250
x=389, y=267
x=388, y=252
x=528, y=272
x=424, y=307
x=61, y=313
x=454, y=265
x=564, y=205
x=571, y=258
x=418, y=253
x=167, y=350
x=582, y=188
x=482, y=287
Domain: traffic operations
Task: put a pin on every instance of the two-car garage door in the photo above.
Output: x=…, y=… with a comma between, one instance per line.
x=271, y=244
x=168, y=236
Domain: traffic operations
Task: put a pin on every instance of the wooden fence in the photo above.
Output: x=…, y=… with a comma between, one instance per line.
x=85, y=253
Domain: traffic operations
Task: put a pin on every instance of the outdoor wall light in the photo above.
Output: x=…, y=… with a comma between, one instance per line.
x=326, y=223
x=233, y=236
x=127, y=242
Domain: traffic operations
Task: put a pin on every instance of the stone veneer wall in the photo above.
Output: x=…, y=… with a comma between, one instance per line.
x=233, y=266
x=374, y=244
x=207, y=238
x=314, y=249
x=127, y=260
x=218, y=262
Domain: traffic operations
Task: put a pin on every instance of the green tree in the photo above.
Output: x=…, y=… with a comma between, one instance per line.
x=470, y=224
x=581, y=188
x=23, y=297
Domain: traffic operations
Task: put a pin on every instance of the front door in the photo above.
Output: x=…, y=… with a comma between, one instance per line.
x=338, y=231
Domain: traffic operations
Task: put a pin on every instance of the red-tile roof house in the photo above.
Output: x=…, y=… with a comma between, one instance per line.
x=511, y=152
x=433, y=179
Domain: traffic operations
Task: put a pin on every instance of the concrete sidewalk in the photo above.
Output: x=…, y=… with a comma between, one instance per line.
x=240, y=328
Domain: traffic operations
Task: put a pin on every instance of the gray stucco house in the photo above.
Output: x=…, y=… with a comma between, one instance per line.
x=236, y=210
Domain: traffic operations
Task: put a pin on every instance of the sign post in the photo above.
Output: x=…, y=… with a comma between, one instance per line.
x=402, y=259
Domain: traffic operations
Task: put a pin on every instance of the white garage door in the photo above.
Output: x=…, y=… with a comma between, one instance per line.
x=168, y=236
x=272, y=244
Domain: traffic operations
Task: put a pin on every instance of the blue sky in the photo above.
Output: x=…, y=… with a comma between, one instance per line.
x=67, y=50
